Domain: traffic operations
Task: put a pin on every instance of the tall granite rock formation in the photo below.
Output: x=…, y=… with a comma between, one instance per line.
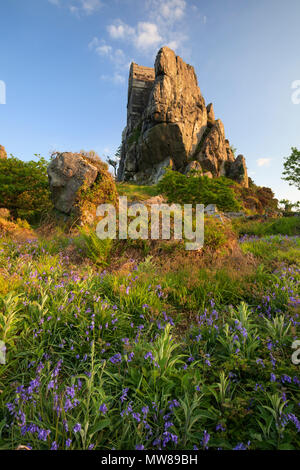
x=3, y=153
x=168, y=124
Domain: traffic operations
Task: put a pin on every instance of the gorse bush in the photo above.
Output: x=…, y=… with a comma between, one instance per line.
x=24, y=188
x=199, y=190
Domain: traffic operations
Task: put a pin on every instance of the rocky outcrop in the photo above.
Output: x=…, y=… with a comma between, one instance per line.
x=212, y=155
x=167, y=120
x=238, y=171
x=3, y=153
x=210, y=113
x=78, y=184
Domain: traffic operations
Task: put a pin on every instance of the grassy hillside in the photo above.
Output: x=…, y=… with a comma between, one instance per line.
x=162, y=349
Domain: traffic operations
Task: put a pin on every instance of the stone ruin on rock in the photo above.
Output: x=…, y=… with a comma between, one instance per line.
x=168, y=124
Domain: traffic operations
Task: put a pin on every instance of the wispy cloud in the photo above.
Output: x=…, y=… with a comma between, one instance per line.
x=168, y=11
x=117, y=78
x=158, y=28
x=78, y=7
x=116, y=55
x=162, y=23
x=263, y=162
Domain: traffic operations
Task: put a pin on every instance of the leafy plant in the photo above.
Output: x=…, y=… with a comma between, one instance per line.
x=96, y=249
x=292, y=168
x=24, y=187
x=199, y=190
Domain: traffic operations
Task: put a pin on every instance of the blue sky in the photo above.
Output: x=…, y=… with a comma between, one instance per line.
x=65, y=64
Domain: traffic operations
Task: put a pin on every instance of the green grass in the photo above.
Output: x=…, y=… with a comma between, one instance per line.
x=155, y=357
x=276, y=248
x=284, y=226
x=135, y=192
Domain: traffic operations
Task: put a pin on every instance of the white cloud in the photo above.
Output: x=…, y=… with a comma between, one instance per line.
x=105, y=49
x=77, y=7
x=172, y=10
x=159, y=27
x=90, y=6
x=162, y=25
x=166, y=11
x=116, y=56
x=263, y=161
x=173, y=44
x=120, y=30
x=147, y=35
x=143, y=36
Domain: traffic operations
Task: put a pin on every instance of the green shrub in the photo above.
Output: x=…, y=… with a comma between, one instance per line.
x=259, y=198
x=24, y=188
x=199, y=190
x=214, y=234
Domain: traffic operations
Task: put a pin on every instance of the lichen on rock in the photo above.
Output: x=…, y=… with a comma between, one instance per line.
x=78, y=184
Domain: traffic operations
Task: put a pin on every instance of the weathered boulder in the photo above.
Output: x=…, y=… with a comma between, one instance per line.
x=211, y=209
x=193, y=168
x=3, y=153
x=237, y=171
x=167, y=119
x=78, y=184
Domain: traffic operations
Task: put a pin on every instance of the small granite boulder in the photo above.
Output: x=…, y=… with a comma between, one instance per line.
x=193, y=169
x=78, y=184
